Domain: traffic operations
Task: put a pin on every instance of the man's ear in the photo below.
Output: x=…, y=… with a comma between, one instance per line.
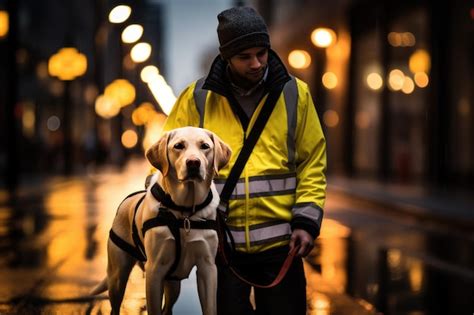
x=222, y=152
x=157, y=154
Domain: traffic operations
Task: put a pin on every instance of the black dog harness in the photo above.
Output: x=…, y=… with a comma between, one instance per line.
x=164, y=218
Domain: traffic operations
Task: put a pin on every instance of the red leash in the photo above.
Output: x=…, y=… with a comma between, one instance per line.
x=283, y=270
x=281, y=274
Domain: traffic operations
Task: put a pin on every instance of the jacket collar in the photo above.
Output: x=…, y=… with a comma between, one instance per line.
x=217, y=80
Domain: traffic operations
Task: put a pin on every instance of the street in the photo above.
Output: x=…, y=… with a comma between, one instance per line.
x=53, y=245
x=400, y=263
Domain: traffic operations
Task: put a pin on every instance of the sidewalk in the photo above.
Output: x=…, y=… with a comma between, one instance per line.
x=448, y=207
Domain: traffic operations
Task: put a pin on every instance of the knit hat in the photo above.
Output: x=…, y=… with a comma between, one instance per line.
x=241, y=28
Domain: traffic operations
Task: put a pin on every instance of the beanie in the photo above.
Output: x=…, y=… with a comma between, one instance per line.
x=241, y=28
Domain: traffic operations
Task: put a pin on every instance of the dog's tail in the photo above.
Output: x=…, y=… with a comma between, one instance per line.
x=101, y=287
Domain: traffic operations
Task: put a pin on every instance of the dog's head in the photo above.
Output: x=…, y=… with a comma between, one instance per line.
x=189, y=154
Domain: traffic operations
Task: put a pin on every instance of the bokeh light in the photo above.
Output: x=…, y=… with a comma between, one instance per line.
x=395, y=79
x=420, y=61
x=141, y=52
x=374, y=81
x=53, y=123
x=323, y=37
x=149, y=73
x=163, y=93
x=129, y=138
x=329, y=80
x=119, y=14
x=67, y=64
x=122, y=91
x=28, y=120
x=405, y=39
x=4, y=23
x=106, y=107
x=143, y=114
x=421, y=79
x=299, y=59
x=408, y=85
x=331, y=118
x=132, y=33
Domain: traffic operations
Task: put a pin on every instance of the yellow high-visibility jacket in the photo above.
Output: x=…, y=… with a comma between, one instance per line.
x=282, y=186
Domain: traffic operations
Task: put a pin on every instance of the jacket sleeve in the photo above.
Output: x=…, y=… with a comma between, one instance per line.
x=184, y=112
x=310, y=166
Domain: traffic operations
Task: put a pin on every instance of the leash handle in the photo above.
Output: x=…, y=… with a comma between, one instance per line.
x=223, y=231
x=283, y=270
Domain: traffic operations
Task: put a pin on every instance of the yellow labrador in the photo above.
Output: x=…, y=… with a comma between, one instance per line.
x=182, y=192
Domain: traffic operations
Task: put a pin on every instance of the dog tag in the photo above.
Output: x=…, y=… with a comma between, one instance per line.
x=187, y=224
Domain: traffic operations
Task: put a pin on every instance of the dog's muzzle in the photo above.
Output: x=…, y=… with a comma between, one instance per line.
x=193, y=169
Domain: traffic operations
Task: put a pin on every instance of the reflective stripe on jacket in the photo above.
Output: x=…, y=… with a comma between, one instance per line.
x=282, y=186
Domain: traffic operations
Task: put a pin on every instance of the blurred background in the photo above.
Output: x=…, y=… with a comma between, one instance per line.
x=85, y=86
x=392, y=81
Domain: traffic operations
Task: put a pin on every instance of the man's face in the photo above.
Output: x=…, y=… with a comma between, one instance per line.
x=250, y=64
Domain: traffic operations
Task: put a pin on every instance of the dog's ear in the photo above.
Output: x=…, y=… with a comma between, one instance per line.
x=157, y=154
x=222, y=152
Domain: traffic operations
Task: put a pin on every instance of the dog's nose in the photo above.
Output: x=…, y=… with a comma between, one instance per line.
x=193, y=163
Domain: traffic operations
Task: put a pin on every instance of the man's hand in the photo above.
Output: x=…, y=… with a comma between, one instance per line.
x=304, y=240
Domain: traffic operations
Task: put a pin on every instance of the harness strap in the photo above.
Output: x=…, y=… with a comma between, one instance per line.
x=133, y=251
x=167, y=202
x=226, y=248
x=135, y=236
x=174, y=228
x=290, y=92
x=126, y=247
x=246, y=151
x=131, y=195
x=166, y=218
x=170, y=219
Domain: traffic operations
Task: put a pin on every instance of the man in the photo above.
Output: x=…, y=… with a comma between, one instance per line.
x=279, y=197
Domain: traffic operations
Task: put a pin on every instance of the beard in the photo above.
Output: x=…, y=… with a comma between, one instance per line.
x=247, y=79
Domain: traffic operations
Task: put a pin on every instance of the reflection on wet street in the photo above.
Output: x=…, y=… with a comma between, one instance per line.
x=54, y=244
x=393, y=262
x=53, y=251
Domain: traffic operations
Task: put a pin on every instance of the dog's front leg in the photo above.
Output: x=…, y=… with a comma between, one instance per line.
x=207, y=287
x=172, y=289
x=154, y=290
x=160, y=254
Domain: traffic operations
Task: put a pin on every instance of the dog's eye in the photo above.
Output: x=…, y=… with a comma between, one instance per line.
x=205, y=146
x=179, y=146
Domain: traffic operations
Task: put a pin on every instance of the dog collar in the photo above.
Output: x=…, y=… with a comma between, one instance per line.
x=167, y=202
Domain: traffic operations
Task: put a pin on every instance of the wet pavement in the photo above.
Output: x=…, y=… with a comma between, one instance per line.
x=397, y=257
x=53, y=252
x=53, y=244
